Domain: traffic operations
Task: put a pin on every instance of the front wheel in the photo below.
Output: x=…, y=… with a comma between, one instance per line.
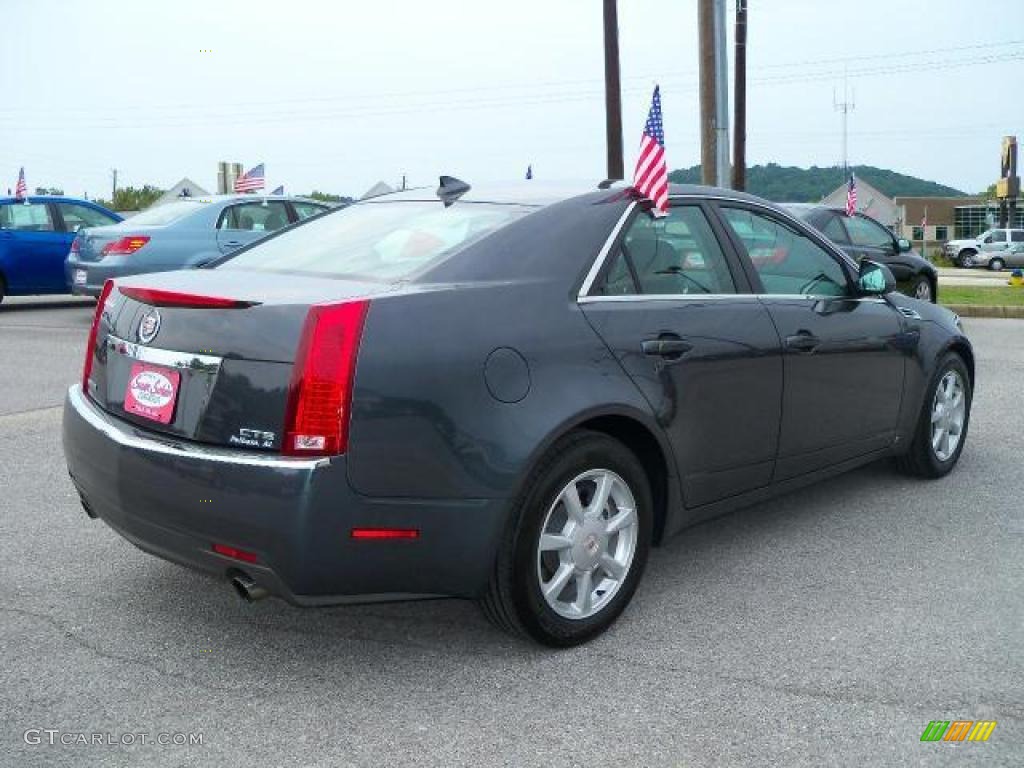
x=996, y=265
x=921, y=289
x=966, y=259
x=577, y=543
x=942, y=426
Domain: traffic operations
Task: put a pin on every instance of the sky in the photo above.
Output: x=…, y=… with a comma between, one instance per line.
x=337, y=95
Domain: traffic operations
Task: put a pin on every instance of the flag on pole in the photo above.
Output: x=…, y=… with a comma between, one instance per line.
x=851, y=196
x=278, y=191
x=650, y=178
x=529, y=171
x=251, y=180
x=924, y=227
x=21, y=189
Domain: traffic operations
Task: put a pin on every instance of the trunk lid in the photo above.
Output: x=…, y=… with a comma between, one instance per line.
x=213, y=375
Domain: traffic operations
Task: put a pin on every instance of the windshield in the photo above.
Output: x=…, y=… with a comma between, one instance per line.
x=380, y=241
x=165, y=214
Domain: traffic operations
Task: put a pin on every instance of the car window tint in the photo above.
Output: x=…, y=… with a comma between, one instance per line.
x=676, y=254
x=377, y=240
x=254, y=217
x=1017, y=236
x=78, y=216
x=996, y=236
x=834, y=230
x=305, y=210
x=867, y=233
x=34, y=217
x=618, y=281
x=788, y=262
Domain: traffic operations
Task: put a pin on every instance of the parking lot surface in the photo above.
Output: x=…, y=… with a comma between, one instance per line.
x=827, y=627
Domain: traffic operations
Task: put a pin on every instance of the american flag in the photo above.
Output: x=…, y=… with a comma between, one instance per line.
x=251, y=180
x=851, y=196
x=650, y=178
x=21, y=189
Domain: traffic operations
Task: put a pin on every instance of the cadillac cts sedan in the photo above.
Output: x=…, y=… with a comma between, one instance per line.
x=504, y=394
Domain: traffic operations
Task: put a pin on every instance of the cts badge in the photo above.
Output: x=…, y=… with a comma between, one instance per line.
x=149, y=327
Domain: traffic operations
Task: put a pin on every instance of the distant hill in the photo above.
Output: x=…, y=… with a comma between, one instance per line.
x=809, y=185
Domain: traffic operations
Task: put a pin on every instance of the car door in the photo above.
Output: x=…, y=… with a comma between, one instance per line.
x=675, y=309
x=35, y=249
x=993, y=244
x=843, y=355
x=244, y=223
x=1015, y=255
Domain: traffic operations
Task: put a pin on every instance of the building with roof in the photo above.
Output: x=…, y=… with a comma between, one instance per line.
x=869, y=200
x=184, y=188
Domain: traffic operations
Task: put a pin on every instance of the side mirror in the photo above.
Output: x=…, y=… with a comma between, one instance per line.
x=875, y=279
x=903, y=245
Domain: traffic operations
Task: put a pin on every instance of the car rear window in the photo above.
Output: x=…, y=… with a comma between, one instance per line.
x=166, y=214
x=379, y=241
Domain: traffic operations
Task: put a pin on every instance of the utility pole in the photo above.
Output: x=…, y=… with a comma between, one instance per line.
x=706, y=37
x=721, y=98
x=739, y=149
x=113, y=192
x=846, y=106
x=612, y=91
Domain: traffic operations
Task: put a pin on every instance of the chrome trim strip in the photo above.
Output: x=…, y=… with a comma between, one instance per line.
x=595, y=268
x=179, y=450
x=668, y=297
x=166, y=357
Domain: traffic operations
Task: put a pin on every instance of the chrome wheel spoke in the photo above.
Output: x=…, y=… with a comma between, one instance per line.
x=573, y=505
x=613, y=567
x=601, y=493
x=554, y=587
x=554, y=542
x=584, y=593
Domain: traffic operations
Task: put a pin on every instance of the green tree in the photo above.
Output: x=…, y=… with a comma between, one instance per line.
x=132, y=198
x=49, y=191
x=326, y=197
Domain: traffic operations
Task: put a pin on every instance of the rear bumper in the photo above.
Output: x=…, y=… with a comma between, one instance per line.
x=176, y=499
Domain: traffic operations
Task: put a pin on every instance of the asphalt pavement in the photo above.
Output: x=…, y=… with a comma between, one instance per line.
x=827, y=627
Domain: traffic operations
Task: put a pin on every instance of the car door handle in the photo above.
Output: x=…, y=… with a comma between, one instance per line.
x=803, y=342
x=233, y=243
x=666, y=347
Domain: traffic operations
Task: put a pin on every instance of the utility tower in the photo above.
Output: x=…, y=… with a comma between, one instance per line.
x=845, y=107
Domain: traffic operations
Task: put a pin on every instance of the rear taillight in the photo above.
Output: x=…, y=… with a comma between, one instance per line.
x=320, y=392
x=160, y=298
x=90, y=349
x=235, y=554
x=124, y=245
x=75, y=247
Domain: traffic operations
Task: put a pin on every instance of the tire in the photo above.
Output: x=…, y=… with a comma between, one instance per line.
x=996, y=264
x=966, y=258
x=514, y=600
x=3, y=289
x=921, y=288
x=922, y=457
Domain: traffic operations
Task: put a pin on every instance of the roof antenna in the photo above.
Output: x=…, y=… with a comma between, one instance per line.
x=451, y=189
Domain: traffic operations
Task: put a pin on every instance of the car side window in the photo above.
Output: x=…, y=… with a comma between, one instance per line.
x=305, y=210
x=787, y=261
x=1017, y=236
x=834, y=229
x=78, y=216
x=254, y=217
x=868, y=233
x=996, y=236
x=669, y=255
x=34, y=217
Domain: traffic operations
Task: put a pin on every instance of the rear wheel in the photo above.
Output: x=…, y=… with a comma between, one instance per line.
x=3, y=289
x=576, y=545
x=966, y=258
x=997, y=264
x=921, y=288
x=942, y=425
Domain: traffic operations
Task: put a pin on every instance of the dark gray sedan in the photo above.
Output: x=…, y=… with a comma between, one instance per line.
x=500, y=394
x=178, y=235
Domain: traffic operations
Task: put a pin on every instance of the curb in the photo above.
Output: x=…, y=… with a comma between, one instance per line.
x=981, y=310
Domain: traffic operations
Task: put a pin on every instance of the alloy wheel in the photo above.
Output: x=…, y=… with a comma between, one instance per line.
x=587, y=543
x=949, y=408
x=923, y=290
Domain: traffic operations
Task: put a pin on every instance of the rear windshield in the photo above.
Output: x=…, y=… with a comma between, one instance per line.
x=165, y=214
x=380, y=241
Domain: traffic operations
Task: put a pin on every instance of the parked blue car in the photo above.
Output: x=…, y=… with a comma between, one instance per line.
x=35, y=235
x=178, y=235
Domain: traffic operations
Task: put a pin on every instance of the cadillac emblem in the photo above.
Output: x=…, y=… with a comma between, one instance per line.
x=149, y=327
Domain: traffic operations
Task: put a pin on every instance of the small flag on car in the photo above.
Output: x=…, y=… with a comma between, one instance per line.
x=251, y=180
x=529, y=172
x=650, y=178
x=21, y=189
x=278, y=191
x=851, y=196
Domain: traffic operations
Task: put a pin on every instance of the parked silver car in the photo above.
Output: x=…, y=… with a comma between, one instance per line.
x=178, y=235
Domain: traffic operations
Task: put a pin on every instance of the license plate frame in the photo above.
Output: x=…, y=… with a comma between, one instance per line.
x=81, y=277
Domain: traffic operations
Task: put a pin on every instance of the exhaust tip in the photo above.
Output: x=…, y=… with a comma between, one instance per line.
x=247, y=589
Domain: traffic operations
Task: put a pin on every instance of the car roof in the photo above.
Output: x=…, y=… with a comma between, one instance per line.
x=47, y=199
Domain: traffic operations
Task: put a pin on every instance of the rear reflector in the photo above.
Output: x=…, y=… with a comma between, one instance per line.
x=235, y=554
x=124, y=245
x=320, y=391
x=90, y=348
x=385, y=533
x=159, y=298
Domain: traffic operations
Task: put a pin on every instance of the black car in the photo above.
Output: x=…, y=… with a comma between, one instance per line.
x=864, y=238
x=503, y=394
